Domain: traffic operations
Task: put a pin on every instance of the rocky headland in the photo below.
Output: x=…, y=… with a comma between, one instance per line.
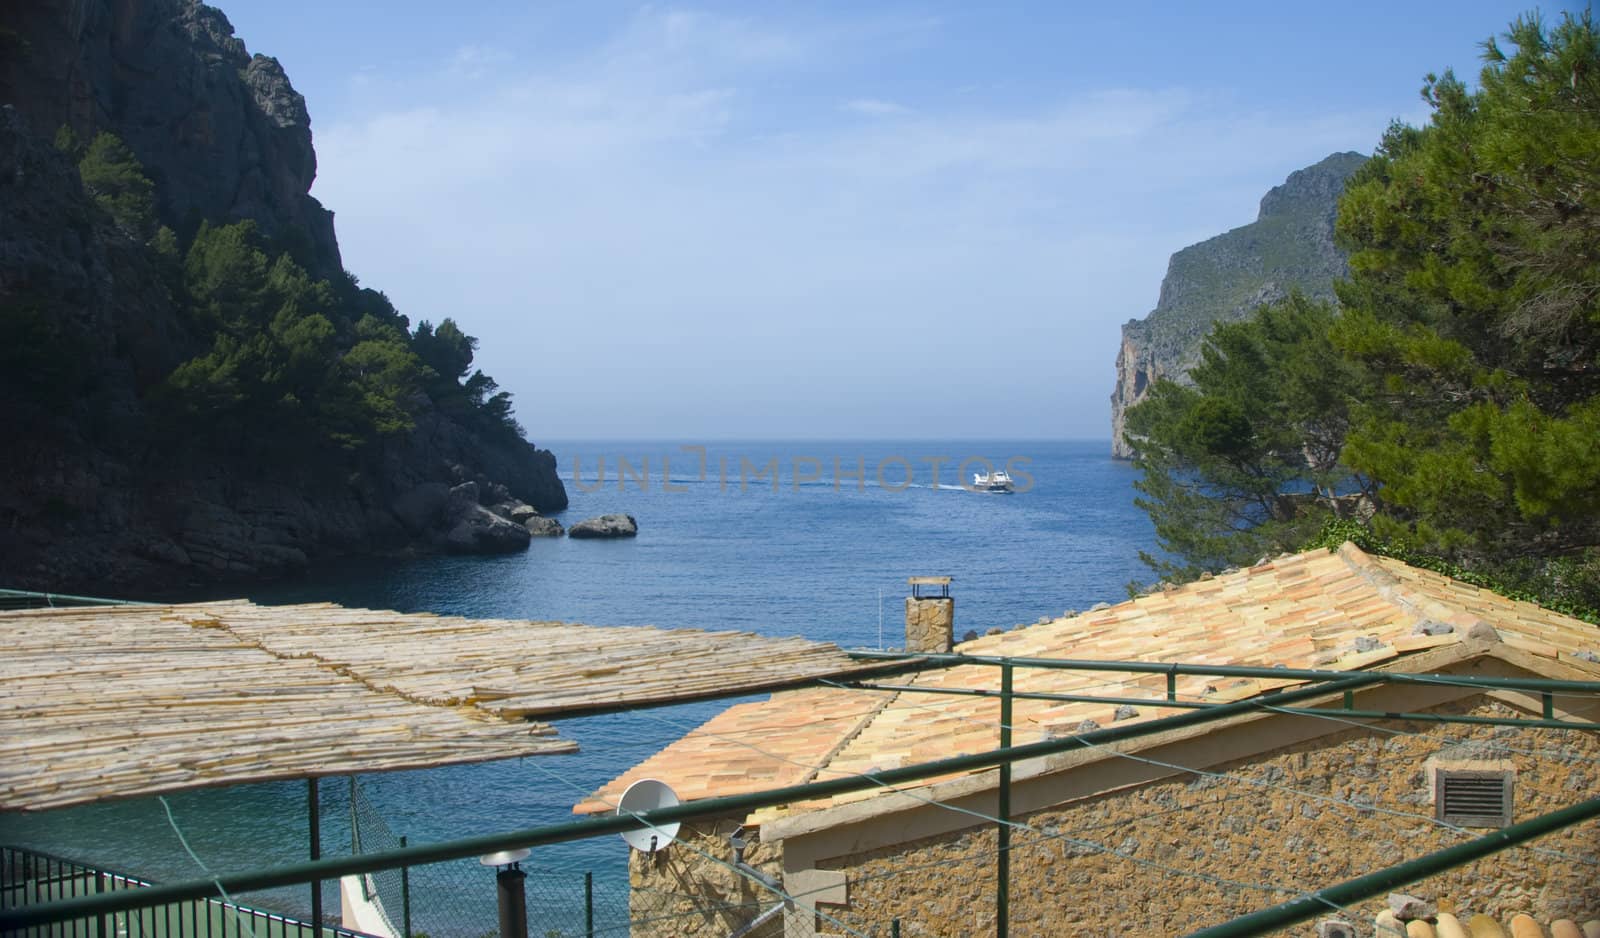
x=1289, y=246
x=99, y=493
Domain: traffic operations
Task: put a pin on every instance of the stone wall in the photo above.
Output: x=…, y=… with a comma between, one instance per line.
x=1250, y=842
x=930, y=622
x=690, y=888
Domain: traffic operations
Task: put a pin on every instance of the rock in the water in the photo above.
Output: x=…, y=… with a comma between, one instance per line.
x=519, y=512
x=480, y=531
x=543, y=527
x=605, y=526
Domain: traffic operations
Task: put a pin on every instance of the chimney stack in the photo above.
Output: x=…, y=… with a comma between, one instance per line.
x=930, y=619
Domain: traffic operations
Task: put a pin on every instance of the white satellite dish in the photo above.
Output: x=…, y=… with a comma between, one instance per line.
x=647, y=794
x=505, y=857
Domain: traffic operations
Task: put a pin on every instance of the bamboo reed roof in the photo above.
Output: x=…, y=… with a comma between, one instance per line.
x=119, y=701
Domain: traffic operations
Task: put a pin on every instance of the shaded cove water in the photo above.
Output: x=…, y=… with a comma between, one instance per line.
x=725, y=542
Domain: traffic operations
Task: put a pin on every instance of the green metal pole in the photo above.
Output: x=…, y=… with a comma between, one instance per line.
x=1002, y=865
x=355, y=823
x=1381, y=881
x=1227, y=670
x=334, y=867
x=588, y=904
x=405, y=894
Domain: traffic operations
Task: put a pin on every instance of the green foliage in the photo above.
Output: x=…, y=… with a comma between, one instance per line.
x=285, y=357
x=446, y=354
x=1475, y=301
x=277, y=359
x=68, y=142
x=1246, y=461
x=41, y=354
x=113, y=176
x=1458, y=392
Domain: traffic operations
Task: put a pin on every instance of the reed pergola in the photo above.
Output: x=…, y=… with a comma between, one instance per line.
x=106, y=702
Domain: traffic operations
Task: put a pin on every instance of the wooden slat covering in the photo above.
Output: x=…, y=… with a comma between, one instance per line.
x=118, y=701
x=520, y=668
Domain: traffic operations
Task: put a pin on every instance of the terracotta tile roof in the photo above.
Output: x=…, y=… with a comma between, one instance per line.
x=1333, y=610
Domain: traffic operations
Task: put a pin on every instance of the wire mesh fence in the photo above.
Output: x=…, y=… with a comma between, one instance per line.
x=457, y=898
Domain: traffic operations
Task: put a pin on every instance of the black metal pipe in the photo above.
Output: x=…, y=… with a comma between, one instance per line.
x=314, y=811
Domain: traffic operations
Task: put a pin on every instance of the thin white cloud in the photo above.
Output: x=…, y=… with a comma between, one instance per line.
x=874, y=107
x=476, y=61
x=629, y=207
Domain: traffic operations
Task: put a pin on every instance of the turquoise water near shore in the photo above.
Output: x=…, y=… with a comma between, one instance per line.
x=807, y=551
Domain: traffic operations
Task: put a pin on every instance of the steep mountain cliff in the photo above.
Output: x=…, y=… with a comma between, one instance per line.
x=116, y=482
x=1289, y=246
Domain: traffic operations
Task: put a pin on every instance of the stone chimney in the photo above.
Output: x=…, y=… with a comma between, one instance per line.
x=930, y=619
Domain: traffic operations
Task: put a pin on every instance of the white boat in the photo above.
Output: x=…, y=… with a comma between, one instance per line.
x=997, y=481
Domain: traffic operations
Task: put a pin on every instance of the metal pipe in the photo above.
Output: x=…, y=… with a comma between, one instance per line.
x=1372, y=884
x=405, y=894
x=1002, y=859
x=513, y=902
x=1347, y=711
x=334, y=867
x=1228, y=670
x=1036, y=695
x=314, y=810
x=758, y=921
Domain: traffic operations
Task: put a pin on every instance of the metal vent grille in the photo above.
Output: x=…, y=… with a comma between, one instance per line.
x=1473, y=798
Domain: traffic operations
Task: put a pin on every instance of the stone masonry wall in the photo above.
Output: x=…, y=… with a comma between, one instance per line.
x=683, y=891
x=1250, y=845
x=930, y=622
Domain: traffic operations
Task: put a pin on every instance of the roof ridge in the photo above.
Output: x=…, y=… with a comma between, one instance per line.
x=1422, y=607
x=848, y=738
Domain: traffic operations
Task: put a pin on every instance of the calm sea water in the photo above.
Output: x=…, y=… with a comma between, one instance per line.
x=811, y=557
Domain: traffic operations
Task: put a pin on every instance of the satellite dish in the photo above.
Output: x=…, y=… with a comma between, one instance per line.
x=505, y=857
x=647, y=794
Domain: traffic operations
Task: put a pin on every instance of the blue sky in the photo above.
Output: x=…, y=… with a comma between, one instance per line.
x=822, y=220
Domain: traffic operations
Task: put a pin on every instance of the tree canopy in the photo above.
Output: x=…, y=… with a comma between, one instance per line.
x=1451, y=403
x=283, y=355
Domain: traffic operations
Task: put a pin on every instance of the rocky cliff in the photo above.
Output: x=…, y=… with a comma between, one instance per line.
x=97, y=494
x=222, y=133
x=1289, y=246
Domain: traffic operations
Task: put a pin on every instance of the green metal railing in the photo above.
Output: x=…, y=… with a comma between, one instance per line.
x=1322, y=684
x=704, y=809
x=29, y=599
x=31, y=877
x=1372, y=884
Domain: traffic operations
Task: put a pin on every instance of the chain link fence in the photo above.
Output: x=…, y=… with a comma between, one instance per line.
x=458, y=899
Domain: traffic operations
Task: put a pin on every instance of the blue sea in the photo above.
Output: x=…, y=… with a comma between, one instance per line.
x=794, y=538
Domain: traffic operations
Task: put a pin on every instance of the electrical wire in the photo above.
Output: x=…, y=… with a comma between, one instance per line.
x=1015, y=824
x=173, y=823
x=1359, y=807
x=775, y=890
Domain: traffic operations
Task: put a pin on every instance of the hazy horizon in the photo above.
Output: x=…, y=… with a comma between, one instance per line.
x=910, y=221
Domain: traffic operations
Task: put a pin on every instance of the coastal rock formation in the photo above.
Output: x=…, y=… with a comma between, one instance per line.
x=543, y=527
x=96, y=494
x=605, y=526
x=1289, y=246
